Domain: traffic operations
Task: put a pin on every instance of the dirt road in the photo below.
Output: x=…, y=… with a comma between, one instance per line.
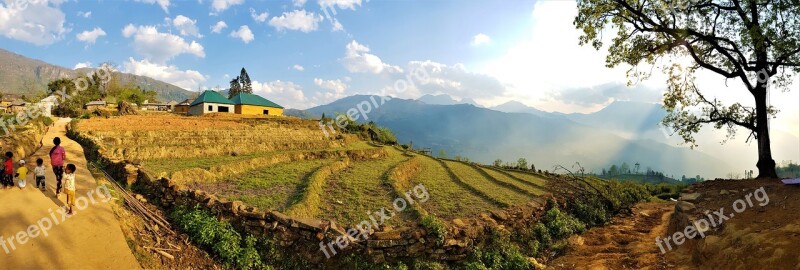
x=628, y=242
x=90, y=239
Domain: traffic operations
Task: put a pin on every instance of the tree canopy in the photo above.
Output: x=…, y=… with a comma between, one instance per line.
x=754, y=42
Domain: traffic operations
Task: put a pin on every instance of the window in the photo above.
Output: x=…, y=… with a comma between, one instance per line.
x=210, y=108
x=266, y=112
x=223, y=109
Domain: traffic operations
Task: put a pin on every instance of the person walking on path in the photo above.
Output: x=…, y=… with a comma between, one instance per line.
x=57, y=158
x=8, y=175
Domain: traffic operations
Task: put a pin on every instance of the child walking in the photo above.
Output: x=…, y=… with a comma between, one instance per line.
x=22, y=173
x=69, y=186
x=57, y=158
x=8, y=175
x=39, y=172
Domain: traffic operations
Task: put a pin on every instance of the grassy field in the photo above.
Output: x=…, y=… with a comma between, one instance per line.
x=473, y=178
x=530, y=178
x=448, y=199
x=274, y=187
x=516, y=182
x=359, y=189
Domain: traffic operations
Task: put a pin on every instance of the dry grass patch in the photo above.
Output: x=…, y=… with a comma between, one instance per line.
x=312, y=192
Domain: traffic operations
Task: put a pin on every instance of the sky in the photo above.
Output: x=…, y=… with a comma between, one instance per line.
x=304, y=53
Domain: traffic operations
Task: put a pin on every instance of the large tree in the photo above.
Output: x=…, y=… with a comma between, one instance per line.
x=235, y=89
x=754, y=42
x=244, y=80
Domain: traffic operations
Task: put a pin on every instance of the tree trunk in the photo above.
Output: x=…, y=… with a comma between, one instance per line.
x=766, y=165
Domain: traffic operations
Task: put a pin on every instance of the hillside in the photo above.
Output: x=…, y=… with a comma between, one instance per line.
x=469, y=131
x=25, y=76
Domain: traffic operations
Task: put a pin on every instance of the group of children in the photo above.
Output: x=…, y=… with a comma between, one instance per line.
x=57, y=156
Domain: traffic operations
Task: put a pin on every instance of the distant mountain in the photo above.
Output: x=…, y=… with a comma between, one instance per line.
x=444, y=99
x=518, y=107
x=25, y=76
x=629, y=119
x=485, y=135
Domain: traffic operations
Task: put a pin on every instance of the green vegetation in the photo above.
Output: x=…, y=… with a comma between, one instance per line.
x=473, y=178
x=218, y=237
x=528, y=177
x=369, y=131
x=528, y=187
x=789, y=170
x=350, y=194
x=311, y=196
x=101, y=85
x=274, y=187
x=443, y=190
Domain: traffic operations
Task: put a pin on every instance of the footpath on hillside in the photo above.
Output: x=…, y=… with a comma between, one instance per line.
x=36, y=235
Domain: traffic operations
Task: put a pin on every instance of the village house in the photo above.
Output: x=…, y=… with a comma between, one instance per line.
x=183, y=106
x=94, y=105
x=5, y=106
x=47, y=104
x=250, y=104
x=18, y=106
x=210, y=102
x=171, y=105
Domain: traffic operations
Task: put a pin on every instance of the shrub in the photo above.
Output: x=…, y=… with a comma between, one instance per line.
x=436, y=227
x=499, y=253
x=206, y=231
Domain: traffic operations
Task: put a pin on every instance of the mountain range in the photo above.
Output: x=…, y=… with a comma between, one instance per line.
x=25, y=76
x=622, y=132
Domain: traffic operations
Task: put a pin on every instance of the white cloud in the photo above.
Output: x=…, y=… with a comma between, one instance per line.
x=481, y=39
x=454, y=80
x=259, y=17
x=337, y=88
x=357, y=59
x=90, y=36
x=342, y=4
x=160, y=47
x=186, y=79
x=83, y=65
x=86, y=14
x=35, y=22
x=298, y=3
x=298, y=67
x=222, y=5
x=337, y=26
x=164, y=4
x=217, y=28
x=285, y=93
x=244, y=34
x=186, y=26
x=299, y=20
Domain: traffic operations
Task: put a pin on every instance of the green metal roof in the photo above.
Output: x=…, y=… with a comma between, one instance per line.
x=211, y=97
x=250, y=99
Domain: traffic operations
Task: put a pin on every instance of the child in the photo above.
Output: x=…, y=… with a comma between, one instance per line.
x=22, y=173
x=57, y=158
x=8, y=176
x=39, y=172
x=69, y=186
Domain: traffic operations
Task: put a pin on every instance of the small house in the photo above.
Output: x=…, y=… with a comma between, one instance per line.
x=210, y=102
x=155, y=107
x=250, y=104
x=183, y=106
x=47, y=104
x=18, y=106
x=171, y=105
x=94, y=105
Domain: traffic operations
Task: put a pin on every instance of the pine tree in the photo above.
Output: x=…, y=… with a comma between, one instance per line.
x=236, y=88
x=244, y=80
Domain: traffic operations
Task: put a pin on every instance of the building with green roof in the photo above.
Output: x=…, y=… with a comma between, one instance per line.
x=210, y=102
x=251, y=104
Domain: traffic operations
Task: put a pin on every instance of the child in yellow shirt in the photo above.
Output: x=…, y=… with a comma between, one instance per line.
x=22, y=174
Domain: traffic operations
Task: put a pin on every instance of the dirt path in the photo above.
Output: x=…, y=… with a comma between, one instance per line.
x=628, y=242
x=91, y=239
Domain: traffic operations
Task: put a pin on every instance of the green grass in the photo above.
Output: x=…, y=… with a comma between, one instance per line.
x=275, y=187
x=523, y=185
x=359, y=189
x=529, y=178
x=472, y=177
x=448, y=199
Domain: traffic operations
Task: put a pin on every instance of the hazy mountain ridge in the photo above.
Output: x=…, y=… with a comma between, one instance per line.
x=26, y=76
x=484, y=135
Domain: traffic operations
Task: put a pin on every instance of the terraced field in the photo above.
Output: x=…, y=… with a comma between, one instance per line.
x=289, y=165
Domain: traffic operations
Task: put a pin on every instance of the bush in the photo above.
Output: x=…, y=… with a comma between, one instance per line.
x=436, y=227
x=499, y=253
x=206, y=231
